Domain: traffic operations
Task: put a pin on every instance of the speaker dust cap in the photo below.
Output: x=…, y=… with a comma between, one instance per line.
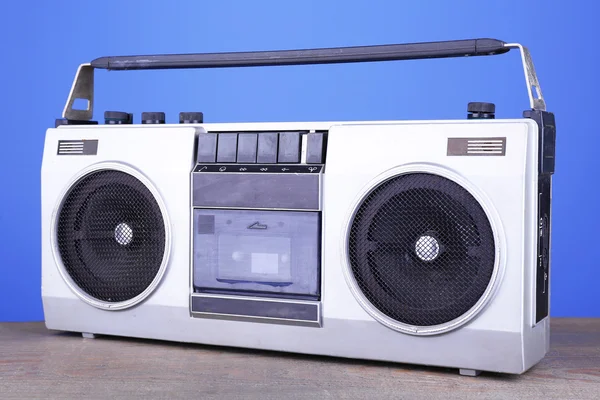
x=111, y=237
x=421, y=251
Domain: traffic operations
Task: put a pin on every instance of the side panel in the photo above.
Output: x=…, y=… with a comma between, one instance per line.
x=542, y=282
x=546, y=152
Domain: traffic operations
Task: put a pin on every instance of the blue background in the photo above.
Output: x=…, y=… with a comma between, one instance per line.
x=44, y=42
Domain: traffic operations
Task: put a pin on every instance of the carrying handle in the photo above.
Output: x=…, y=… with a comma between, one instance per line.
x=83, y=85
x=456, y=48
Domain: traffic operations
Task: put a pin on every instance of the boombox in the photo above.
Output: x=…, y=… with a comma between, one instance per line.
x=433, y=248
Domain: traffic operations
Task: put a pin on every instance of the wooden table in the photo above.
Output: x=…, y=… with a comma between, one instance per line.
x=41, y=364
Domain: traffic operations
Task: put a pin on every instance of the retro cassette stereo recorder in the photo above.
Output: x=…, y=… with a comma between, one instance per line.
x=436, y=251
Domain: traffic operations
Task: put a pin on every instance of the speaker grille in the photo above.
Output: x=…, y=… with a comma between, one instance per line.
x=110, y=236
x=421, y=249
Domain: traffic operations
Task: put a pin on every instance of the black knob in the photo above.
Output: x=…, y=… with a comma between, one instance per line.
x=478, y=110
x=153, y=118
x=191, y=117
x=117, y=118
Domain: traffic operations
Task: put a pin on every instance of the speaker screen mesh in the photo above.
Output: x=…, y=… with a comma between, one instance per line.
x=111, y=236
x=421, y=249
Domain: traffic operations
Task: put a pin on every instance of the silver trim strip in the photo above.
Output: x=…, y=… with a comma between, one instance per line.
x=261, y=173
x=250, y=318
x=254, y=208
x=320, y=194
x=253, y=298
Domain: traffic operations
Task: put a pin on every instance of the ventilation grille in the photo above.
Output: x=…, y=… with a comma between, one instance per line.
x=77, y=147
x=495, y=146
x=421, y=249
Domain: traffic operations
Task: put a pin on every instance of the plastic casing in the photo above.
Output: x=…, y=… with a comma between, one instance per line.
x=500, y=335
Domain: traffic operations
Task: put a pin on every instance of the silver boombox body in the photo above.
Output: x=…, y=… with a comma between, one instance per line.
x=435, y=250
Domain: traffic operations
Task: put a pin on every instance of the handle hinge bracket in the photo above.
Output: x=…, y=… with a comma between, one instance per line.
x=82, y=89
x=534, y=91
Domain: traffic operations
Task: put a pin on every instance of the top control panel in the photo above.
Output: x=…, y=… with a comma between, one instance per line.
x=287, y=151
x=300, y=151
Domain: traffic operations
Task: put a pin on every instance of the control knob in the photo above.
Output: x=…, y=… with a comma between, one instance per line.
x=117, y=118
x=153, y=118
x=191, y=117
x=478, y=110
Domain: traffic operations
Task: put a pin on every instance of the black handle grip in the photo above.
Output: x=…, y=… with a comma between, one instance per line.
x=393, y=52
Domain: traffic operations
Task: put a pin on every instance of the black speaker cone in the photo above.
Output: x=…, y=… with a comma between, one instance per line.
x=110, y=236
x=421, y=249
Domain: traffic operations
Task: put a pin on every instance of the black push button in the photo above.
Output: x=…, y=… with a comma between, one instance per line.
x=117, y=118
x=227, y=147
x=153, y=118
x=315, y=145
x=477, y=110
x=207, y=148
x=289, y=147
x=191, y=117
x=247, y=145
x=267, y=148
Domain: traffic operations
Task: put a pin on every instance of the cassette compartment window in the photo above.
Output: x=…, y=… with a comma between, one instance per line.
x=265, y=253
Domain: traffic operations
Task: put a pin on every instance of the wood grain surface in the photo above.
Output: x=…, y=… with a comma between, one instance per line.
x=39, y=364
